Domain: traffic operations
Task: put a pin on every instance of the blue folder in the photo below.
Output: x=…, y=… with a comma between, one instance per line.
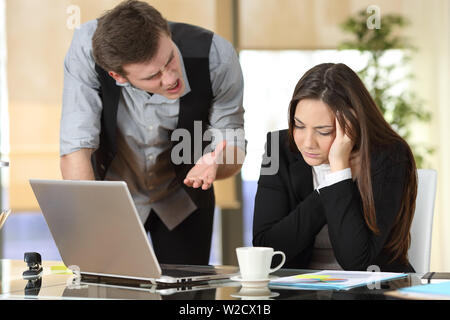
x=438, y=289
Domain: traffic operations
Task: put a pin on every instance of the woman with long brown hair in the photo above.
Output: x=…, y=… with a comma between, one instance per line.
x=344, y=193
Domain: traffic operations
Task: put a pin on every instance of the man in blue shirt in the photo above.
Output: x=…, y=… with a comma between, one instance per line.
x=133, y=82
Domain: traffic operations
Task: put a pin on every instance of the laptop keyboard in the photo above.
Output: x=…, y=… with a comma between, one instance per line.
x=176, y=273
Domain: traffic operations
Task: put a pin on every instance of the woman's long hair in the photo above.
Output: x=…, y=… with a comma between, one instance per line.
x=343, y=91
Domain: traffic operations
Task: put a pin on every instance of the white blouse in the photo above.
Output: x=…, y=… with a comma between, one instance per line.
x=323, y=257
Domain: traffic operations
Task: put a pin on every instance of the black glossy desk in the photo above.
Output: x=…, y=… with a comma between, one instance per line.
x=55, y=286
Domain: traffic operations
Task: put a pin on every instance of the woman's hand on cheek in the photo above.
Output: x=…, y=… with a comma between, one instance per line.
x=339, y=155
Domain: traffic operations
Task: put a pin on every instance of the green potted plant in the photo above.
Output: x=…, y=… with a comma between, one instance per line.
x=398, y=103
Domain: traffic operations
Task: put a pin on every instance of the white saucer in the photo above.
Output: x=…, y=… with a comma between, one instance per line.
x=253, y=283
x=253, y=296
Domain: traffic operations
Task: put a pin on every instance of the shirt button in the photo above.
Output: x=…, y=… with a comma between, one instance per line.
x=151, y=157
x=150, y=128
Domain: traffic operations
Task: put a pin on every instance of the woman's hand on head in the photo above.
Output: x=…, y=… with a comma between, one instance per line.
x=340, y=151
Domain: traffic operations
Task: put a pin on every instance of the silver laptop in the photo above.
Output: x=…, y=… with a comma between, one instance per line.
x=96, y=227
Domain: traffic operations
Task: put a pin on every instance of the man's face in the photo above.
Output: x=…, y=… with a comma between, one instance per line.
x=162, y=75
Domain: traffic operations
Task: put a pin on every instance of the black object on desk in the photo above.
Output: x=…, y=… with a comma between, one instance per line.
x=431, y=277
x=33, y=274
x=34, y=262
x=33, y=286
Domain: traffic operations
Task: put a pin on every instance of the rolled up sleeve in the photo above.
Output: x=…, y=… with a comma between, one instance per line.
x=81, y=105
x=227, y=112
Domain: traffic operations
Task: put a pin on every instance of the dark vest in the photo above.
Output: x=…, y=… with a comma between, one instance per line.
x=194, y=44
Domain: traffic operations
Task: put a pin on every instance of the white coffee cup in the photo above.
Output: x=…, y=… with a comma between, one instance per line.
x=254, y=262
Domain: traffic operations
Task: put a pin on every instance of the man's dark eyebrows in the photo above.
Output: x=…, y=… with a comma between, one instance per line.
x=172, y=55
x=151, y=76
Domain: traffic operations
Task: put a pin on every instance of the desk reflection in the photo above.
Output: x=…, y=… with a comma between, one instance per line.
x=60, y=286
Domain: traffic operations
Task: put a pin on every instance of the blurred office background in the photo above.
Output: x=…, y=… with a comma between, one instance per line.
x=277, y=40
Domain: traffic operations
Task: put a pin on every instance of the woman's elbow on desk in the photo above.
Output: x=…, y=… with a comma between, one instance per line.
x=351, y=261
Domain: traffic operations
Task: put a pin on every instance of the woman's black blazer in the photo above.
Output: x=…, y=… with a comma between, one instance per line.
x=289, y=213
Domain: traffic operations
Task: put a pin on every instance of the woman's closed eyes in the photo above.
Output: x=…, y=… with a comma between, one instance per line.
x=301, y=126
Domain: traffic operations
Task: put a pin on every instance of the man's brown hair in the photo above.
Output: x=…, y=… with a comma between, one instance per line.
x=129, y=33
